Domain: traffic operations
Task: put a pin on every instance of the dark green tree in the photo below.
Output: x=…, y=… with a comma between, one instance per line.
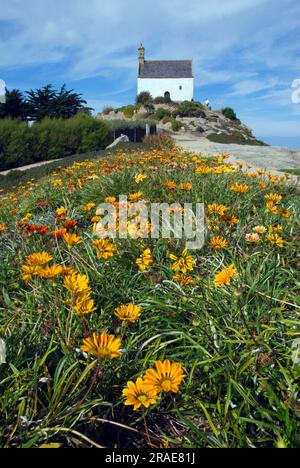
x=14, y=106
x=48, y=102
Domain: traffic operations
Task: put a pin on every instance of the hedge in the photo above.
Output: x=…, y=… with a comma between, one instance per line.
x=50, y=139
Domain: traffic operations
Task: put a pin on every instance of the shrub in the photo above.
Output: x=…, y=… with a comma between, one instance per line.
x=161, y=113
x=149, y=108
x=159, y=142
x=159, y=100
x=176, y=125
x=129, y=110
x=50, y=139
x=191, y=109
x=144, y=98
x=107, y=110
x=229, y=113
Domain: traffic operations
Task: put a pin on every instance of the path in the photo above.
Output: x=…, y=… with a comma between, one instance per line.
x=271, y=158
x=30, y=166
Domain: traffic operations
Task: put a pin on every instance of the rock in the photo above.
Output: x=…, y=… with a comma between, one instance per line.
x=121, y=139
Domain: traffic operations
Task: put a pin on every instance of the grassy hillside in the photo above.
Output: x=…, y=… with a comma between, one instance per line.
x=226, y=317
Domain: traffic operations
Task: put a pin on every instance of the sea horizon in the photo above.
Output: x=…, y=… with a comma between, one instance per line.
x=284, y=142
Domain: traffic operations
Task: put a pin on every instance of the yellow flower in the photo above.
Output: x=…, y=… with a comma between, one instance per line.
x=284, y=213
x=145, y=260
x=88, y=207
x=203, y=170
x=274, y=197
x=72, y=239
x=84, y=305
x=51, y=272
x=2, y=228
x=275, y=240
x=240, y=188
x=102, y=346
x=225, y=276
x=77, y=284
x=275, y=228
x=105, y=249
x=184, y=263
x=140, y=178
x=186, y=186
x=38, y=259
x=215, y=209
x=128, y=313
x=62, y=211
x=29, y=271
x=272, y=207
x=57, y=182
x=260, y=229
x=27, y=217
x=170, y=185
x=96, y=219
x=166, y=378
x=183, y=279
x=135, y=196
x=218, y=243
x=139, y=394
x=110, y=200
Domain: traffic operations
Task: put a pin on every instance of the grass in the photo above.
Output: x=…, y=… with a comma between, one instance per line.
x=235, y=343
x=235, y=139
x=295, y=172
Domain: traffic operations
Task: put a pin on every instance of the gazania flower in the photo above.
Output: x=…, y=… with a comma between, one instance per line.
x=72, y=239
x=139, y=394
x=96, y=219
x=29, y=271
x=2, y=228
x=38, y=259
x=170, y=185
x=67, y=271
x=70, y=224
x=275, y=240
x=271, y=207
x=135, y=196
x=218, y=210
x=275, y=228
x=252, y=238
x=284, y=213
x=145, y=260
x=225, y=276
x=240, y=188
x=57, y=182
x=111, y=200
x=186, y=186
x=128, y=313
x=105, y=249
x=102, y=346
x=166, y=377
x=218, y=243
x=88, y=207
x=203, y=170
x=183, y=279
x=260, y=229
x=274, y=197
x=77, y=284
x=51, y=272
x=61, y=212
x=140, y=178
x=184, y=263
x=84, y=305
x=59, y=233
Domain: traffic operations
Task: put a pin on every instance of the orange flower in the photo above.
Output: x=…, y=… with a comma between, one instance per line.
x=225, y=276
x=102, y=346
x=218, y=243
x=139, y=394
x=105, y=249
x=166, y=377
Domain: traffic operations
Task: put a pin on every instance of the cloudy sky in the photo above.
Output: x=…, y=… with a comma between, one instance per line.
x=246, y=53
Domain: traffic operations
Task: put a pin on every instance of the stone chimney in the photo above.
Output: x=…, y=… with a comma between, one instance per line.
x=141, y=59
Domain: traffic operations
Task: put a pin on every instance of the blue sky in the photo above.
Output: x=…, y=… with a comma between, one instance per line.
x=246, y=53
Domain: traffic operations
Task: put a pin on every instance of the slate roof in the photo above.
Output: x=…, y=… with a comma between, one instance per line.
x=167, y=69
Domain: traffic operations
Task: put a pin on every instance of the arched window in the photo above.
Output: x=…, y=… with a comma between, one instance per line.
x=167, y=95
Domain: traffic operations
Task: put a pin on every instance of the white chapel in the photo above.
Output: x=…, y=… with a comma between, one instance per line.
x=173, y=78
